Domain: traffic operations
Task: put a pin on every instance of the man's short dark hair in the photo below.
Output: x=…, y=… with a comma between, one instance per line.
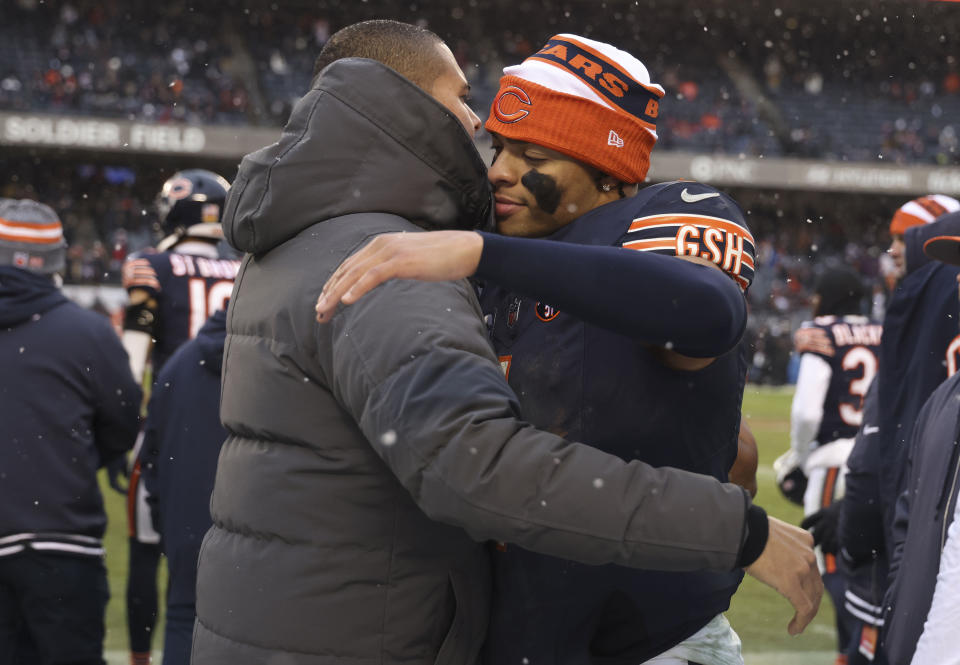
x=408, y=49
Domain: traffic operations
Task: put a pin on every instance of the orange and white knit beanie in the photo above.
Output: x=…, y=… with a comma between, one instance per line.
x=922, y=211
x=31, y=236
x=585, y=99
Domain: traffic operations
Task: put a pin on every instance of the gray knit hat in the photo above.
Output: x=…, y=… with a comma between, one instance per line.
x=31, y=236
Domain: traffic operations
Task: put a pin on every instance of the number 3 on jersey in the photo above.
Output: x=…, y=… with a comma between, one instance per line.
x=863, y=359
x=205, y=300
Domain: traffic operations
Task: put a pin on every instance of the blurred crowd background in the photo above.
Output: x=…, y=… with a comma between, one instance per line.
x=867, y=82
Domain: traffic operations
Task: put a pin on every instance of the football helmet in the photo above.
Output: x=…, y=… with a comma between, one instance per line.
x=191, y=204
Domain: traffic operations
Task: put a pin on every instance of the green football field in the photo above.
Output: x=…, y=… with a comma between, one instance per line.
x=758, y=613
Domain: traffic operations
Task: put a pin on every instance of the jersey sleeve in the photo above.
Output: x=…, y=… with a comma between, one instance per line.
x=810, y=338
x=693, y=219
x=140, y=273
x=806, y=410
x=605, y=286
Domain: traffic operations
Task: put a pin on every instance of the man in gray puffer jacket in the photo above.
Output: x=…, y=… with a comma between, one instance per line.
x=368, y=459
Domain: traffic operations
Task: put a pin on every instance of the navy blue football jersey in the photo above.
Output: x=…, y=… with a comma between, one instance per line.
x=188, y=289
x=589, y=384
x=850, y=345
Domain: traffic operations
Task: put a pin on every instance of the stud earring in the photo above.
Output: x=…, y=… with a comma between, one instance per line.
x=606, y=186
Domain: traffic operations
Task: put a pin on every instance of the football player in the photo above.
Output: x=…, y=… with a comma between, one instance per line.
x=172, y=290
x=838, y=361
x=603, y=335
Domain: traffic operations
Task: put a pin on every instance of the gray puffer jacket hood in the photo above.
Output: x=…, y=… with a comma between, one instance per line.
x=292, y=184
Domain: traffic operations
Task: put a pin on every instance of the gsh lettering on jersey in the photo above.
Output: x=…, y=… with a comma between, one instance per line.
x=721, y=241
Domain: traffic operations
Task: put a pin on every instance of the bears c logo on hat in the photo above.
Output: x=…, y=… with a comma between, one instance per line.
x=510, y=97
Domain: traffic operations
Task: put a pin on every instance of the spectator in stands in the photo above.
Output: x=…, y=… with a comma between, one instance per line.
x=69, y=406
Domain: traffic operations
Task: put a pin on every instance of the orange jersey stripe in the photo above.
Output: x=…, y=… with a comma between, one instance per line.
x=651, y=243
x=830, y=563
x=829, y=485
x=814, y=340
x=139, y=272
x=702, y=221
x=647, y=244
x=669, y=244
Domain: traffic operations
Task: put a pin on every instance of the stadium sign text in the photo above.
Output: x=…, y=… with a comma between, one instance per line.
x=233, y=142
x=858, y=177
x=33, y=130
x=166, y=138
x=710, y=169
x=71, y=132
x=79, y=133
x=946, y=182
x=805, y=174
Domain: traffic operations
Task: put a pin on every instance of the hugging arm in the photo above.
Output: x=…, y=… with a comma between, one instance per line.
x=694, y=310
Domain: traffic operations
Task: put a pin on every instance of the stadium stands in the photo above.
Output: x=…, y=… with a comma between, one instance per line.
x=153, y=61
x=826, y=80
x=810, y=79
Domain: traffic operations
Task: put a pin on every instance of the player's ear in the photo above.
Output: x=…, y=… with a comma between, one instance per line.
x=604, y=182
x=607, y=183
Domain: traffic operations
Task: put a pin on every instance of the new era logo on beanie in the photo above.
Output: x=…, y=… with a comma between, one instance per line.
x=922, y=211
x=585, y=99
x=31, y=236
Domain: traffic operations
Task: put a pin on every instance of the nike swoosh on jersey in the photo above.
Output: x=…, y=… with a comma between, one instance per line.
x=693, y=198
x=871, y=429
